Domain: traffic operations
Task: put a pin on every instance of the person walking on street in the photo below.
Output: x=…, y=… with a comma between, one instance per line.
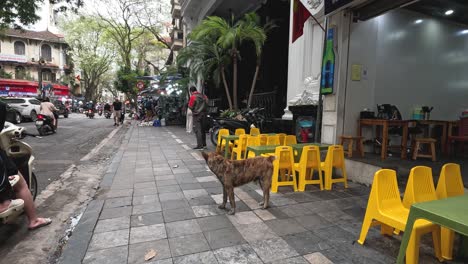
x=117, y=105
x=198, y=103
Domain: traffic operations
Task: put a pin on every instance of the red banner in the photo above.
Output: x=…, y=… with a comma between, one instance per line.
x=300, y=16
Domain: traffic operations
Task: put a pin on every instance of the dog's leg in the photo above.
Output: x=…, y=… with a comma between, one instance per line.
x=266, y=195
x=230, y=192
x=260, y=182
x=223, y=205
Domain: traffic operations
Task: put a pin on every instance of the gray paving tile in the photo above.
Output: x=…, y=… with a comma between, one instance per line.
x=306, y=242
x=119, y=193
x=189, y=194
x=214, y=222
x=144, y=185
x=162, y=261
x=147, y=233
x=313, y=222
x=146, y=208
x=188, y=244
x=109, y=239
x=182, y=228
x=166, y=183
x=225, y=237
x=147, y=219
x=169, y=188
x=178, y=214
x=197, y=258
x=118, y=202
x=240, y=254
x=207, y=210
x=335, y=234
x=273, y=249
x=174, y=204
x=136, y=252
x=294, y=260
x=202, y=200
x=295, y=210
x=117, y=255
x=214, y=190
x=255, y=232
x=145, y=191
x=164, y=177
x=116, y=212
x=284, y=227
x=145, y=199
x=112, y=224
x=171, y=196
x=244, y=218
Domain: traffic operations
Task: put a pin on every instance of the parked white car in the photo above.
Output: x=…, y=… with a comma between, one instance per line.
x=28, y=107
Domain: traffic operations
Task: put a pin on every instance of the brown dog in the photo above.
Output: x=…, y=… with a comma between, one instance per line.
x=234, y=173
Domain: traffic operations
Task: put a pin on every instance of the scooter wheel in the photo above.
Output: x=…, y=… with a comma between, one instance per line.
x=214, y=135
x=41, y=131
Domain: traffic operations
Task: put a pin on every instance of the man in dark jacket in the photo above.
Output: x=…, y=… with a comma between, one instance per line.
x=198, y=103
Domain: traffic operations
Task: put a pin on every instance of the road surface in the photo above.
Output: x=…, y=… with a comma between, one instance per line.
x=77, y=135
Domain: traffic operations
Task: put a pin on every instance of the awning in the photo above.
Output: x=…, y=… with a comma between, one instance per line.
x=60, y=90
x=10, y=87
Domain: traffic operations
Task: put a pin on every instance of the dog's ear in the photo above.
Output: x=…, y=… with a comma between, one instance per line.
x=205, y=155
x=271, y=158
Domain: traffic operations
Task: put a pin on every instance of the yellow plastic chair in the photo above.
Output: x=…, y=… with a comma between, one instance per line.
x=273, y=140
x=309, y=161
x=254, y=131
x=251, y=141
x=386, y=209
x=219, y=146
x=290, y=140
x=420, y=186
x=239, y=150
x=281, y=137
x=450, y=184
x=283, y=167
x=238, y=132
x=263, y=139
x=334, y=159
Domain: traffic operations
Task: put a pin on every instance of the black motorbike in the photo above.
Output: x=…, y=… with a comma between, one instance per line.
x=45, y=124
x=253, y=118
x=91, y=113
x=107, y=114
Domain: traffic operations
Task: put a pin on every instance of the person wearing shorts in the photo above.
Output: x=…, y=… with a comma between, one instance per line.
x=117, y=105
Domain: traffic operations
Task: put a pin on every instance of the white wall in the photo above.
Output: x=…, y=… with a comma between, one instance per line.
x=408, y=65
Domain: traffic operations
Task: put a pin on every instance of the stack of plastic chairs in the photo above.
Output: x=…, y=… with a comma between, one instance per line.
x=283, y=167
x=251, y=141
x=238, y=132
x=254, y=131
x=309, y=161
x=219, y=146
x=386, y=209
x=281, y=137
x=273, y=140
x=335, y=159
x=450, y=184
x=290, y=140
x=263, y=139
x=239, y=150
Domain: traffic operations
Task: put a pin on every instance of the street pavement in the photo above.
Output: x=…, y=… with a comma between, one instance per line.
x=76, y=136
x=158, y=199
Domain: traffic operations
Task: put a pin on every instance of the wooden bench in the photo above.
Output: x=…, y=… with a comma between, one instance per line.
x=418, y=142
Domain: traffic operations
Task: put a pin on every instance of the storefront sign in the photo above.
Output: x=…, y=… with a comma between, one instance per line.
x=13, y=57
x=333, y=5
x=327, y=81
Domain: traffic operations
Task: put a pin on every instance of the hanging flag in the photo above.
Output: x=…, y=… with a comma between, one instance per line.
x=300, y=16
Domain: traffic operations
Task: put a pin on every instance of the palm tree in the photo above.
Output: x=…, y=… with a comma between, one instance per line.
x=230, y=35
x=204, y=58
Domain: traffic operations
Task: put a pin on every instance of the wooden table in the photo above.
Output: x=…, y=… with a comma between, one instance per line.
x=228, y=138
x=385, y=124
x=450, y=213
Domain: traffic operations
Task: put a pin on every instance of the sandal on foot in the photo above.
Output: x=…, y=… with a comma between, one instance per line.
x=15, y=205
x=46, y=222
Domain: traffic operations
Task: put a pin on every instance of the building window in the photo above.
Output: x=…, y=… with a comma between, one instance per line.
x=47, y=75
x=20, y=48
x=46, y=52
x=20, y=72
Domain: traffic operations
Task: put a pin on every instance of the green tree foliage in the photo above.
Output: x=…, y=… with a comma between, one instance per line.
x=18, y=13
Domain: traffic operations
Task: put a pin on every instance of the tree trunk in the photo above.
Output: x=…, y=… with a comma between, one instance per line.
x=228, y=95
x=254, y=82
x=234, y=77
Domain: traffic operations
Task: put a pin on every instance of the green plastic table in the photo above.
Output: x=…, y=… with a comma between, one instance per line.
x=450, y=213
x=297, y=148
x=228, y=138
x=259, y=150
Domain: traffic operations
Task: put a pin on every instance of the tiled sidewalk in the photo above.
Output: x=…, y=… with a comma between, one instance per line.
x=158, y=195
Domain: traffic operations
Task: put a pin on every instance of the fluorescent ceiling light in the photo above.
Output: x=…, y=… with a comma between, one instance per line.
x=419, y=21
x=449, y=12
x=463, y=32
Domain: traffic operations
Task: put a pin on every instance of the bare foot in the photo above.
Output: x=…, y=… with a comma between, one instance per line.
x=4, y=205
x=39, y=222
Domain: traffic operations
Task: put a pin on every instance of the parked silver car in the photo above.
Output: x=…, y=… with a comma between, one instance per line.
x=28, y=107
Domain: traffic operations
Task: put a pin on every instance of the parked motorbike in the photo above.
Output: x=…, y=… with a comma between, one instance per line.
x=253, y=118
x=45, y=125
x=21, y=154
x=90, y=114
x=107, y=114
